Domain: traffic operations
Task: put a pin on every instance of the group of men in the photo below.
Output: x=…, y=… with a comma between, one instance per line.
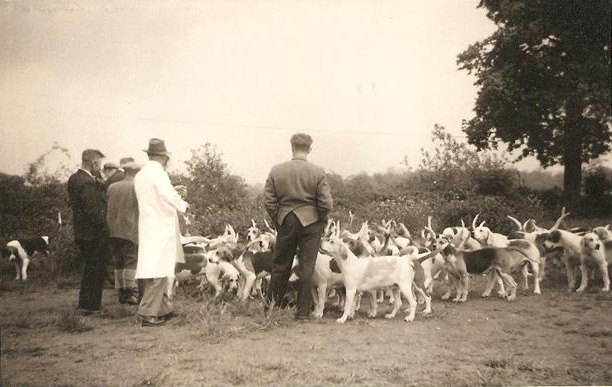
x=134, y=212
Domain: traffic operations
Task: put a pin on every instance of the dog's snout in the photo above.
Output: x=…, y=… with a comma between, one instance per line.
x=597, y=246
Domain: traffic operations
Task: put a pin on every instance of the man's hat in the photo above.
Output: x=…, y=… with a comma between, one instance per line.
x=125, y=160
x=111, y=166
x=157, y=147
x=132, y=167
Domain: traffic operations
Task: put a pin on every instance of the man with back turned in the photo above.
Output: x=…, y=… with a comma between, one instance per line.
x=298, y=199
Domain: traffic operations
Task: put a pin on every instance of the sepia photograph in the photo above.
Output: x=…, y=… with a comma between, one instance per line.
x=305, y=193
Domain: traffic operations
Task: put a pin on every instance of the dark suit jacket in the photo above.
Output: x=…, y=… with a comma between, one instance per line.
x=300, y=187
x=88, y=204
x=116, y=177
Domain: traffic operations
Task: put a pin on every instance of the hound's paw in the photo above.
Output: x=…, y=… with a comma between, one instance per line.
x=605, y=289
x=409, y=318
x=580, y=289
x=485, y=295
x=511, y=298
x=456, y=300
x=427, y=311
x=537, y=291
x=389, y=316
x=463, y=300
x=341, y=320
x=317, y=314
x=445, y=297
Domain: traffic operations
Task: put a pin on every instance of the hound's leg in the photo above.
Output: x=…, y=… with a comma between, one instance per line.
x=571, y=279
x=449, y=291
x=502, y=290
x=24, y=269
x=490, y=283
x=511, y=284
x=373, y=304
x=17, y=271
x=397, y=304
x=356, y=304
x=350, y=298
x=463, y=293
x=405, y=288
x=535, y=268
x=525, y=273
x=584, y=280
x=542, y=267
x=427, y=299
x=603, y=269
x=389, y=294
x=380, y=296
x=320, y=300
x=248, y=285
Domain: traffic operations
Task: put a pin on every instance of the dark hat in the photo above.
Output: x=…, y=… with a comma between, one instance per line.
x=125, y=160
x=111, y=166
x=157, y=147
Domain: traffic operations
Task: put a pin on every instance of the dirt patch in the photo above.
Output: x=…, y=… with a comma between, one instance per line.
x=556, y=338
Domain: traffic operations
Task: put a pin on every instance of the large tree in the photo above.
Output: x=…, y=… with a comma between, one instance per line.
x=544, y=82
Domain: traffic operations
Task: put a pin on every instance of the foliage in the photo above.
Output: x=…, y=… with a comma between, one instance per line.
x=544, y=82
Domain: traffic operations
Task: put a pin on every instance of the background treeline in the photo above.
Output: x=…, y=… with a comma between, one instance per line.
x=452, y=183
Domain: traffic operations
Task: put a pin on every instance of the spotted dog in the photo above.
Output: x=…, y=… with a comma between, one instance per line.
x=21, y=252
x=592, y=254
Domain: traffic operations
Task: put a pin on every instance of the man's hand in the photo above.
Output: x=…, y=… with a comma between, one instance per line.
x=181, y=189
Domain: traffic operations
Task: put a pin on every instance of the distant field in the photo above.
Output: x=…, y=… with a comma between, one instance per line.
x=552, y=339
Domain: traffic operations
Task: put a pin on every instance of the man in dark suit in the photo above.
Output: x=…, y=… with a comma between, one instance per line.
x=88, y=202
x=298, y=199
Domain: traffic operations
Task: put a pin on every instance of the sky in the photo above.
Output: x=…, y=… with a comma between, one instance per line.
x=367, y=80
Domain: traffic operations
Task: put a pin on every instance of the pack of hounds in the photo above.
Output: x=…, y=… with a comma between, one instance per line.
x=385, y=262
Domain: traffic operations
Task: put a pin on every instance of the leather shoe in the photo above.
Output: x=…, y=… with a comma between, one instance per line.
x=151, y=321
x=169, y=316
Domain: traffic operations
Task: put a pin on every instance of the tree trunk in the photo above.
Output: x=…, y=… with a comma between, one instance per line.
x=572, y=159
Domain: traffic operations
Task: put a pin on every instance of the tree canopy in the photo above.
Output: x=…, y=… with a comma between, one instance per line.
x=544, y=81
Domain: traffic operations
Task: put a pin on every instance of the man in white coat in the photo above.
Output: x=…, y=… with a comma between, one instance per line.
x=159, y=236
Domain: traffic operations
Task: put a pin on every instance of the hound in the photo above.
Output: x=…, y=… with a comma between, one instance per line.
x=219, y=270
x=592, y=254
x=486, y=237
x=498, y=261
x=570, y=243
x=605, y=236
x=21, y=252
x=370, y=274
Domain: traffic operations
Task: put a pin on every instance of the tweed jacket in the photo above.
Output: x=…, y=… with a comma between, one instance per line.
x=116, y=177
x=300, y=187
x=86, y=195
x=122, y=213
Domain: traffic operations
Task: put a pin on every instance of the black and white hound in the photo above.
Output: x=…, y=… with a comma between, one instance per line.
x=21, y=252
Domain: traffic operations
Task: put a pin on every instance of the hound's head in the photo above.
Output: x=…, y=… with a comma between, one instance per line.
x=357, y=247
x=441, y=240
x=590, y=241
x=603, y=233
x=252, y=232
x=335, y=247
x=10, y=253
x=553, y=239
x=230, y=281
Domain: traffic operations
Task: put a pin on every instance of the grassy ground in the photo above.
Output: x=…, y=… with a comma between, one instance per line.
x=556, y=338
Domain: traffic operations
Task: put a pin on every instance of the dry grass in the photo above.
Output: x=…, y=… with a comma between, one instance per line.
x=71, y=322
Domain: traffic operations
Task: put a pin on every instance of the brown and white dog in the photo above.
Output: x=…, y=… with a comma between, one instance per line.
x=592, y=253
x=21, y=252
x=369, y=274
x=605, y=236
x=570, y=243
x=494, y=261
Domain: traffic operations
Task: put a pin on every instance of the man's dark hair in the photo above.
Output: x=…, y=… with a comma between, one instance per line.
x=89, y=155
x=301, y=142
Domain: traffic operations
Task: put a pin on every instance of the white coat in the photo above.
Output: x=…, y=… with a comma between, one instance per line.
x=159, y=235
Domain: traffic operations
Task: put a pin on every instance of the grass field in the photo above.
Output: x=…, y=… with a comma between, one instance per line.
x=555, y=338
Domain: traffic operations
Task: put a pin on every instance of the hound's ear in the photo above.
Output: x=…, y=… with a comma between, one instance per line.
x=608, y=227
x=343, y=252
x=253, y=223
x=225, y=254
x=490, y=240
x=583, y=242
x=482, y=224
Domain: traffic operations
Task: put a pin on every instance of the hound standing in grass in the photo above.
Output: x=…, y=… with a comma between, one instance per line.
x=298, y=199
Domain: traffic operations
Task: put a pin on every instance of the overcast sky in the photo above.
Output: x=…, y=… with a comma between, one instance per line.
x=366, y=79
